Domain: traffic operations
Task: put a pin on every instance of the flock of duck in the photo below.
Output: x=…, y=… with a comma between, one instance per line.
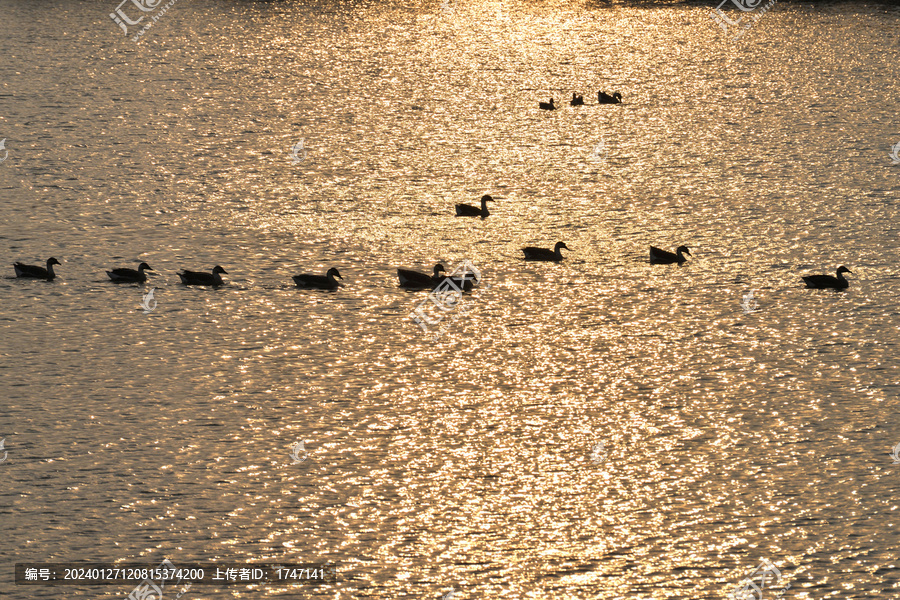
x=414, y=279
x=602, y=98
x=658, y=256
x=214, y=279
x=124, y=275
x=408, y=278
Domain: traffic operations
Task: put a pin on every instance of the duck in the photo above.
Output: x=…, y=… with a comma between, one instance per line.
x=199, y=278
x=664, y=257
x=320, y=282
x=130, y=275
x=827, y=281
x=576, y=100
x=547, y=105
x=464, y=283
x=415, y=279
x=23, y=270
x=604, y=98
x=466, y=210
x=532, y=253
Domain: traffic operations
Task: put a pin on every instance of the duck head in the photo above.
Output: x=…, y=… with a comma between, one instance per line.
x=560, y=245
x=218, y=269
x=486, y=198
x=439, y=268
x=683, y=250
x=332, y=272
x=843, y=269
x=144, y=267
x=52, y=261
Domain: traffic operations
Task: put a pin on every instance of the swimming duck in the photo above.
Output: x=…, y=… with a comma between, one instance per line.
x=663, y=257
x=320, y=282
x=466, y=210
x=604, y=98
x=532, y=253
x=827, y=281
x=464, y=283
x=198, y=278
x=23, y=270
x=547, y=105
x=130, y=275
x=576, y=100
x=415, y=279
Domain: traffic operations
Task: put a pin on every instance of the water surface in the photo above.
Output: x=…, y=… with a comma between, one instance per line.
x=599, y=428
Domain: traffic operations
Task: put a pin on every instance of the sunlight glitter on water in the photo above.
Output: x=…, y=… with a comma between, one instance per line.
x=471, y=461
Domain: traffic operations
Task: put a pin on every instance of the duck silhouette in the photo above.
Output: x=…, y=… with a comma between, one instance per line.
x=827, y=281
x=663, y=257
x=604, y=98
x=320, y=282
x=130, y=275
x=200, y=278
x=23, y=270
x=414, y=279
x=467, y=210
x=533, y=253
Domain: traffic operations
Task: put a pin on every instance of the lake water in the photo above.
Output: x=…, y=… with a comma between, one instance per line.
x=601, y=428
